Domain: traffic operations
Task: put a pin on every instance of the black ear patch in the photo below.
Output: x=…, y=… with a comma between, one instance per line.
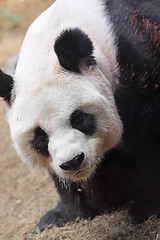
x=6, y=84
x=72, y=47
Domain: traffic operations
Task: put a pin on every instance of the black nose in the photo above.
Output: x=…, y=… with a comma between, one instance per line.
x=74, y=163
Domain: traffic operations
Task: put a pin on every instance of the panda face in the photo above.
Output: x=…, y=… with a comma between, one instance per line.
x=64, y=119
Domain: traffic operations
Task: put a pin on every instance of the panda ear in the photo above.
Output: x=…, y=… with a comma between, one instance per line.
x=6, y=84
x=73, y=47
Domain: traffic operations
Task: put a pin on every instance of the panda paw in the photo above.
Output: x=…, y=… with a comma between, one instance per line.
x=59, y=216
x=54, y=217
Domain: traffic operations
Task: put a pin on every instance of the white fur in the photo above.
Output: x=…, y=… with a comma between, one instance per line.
x=47, y=95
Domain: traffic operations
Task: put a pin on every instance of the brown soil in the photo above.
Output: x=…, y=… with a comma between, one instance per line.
x=26, y=194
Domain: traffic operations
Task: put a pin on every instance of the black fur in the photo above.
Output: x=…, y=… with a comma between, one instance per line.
x=40, y=142
x=73, y=205
x=6, y=85
x=138, y=98
x=131, y=171
x=84, y=122
x=72, y=47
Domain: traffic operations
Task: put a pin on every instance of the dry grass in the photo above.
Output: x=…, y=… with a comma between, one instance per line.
x=26, y=194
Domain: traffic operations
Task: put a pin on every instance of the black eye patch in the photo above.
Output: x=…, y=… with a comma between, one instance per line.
x=84, y=122
x=40, y=142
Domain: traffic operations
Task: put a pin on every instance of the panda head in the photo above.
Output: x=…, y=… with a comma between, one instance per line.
x=61, y=113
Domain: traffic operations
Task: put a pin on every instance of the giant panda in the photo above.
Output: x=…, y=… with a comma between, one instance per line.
x=84, y=103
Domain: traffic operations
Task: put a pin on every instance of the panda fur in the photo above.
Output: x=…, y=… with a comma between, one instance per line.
x=84, y=102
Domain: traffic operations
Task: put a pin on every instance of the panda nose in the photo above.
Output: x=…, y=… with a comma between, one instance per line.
x=74, y=163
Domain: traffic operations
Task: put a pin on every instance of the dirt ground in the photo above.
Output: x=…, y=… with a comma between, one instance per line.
x=25, y=193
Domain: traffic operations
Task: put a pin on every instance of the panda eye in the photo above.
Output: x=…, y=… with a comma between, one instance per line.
x=40, y=142
x=84, y=122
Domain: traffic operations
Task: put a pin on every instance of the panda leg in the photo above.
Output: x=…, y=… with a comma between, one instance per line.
x=144, y=207
x=73, y=205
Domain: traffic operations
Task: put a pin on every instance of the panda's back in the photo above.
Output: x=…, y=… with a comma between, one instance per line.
x=137, y=31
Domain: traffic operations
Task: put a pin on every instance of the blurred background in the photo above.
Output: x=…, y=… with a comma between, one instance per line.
x=15, y=17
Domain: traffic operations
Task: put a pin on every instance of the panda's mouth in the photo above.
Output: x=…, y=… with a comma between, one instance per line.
x=82, y=174
x=80, y=171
